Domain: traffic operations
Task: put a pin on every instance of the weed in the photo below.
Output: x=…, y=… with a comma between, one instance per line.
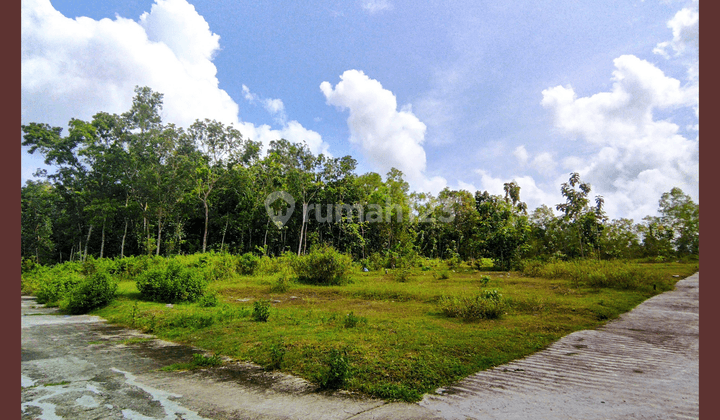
x=282, y=283
x=402, y=274
x=247, y=263
x=208, y=300
x=484, y=280
x=261, y=310
x=336, y=371
x=488, y=304
x=277, y=354
x=443, y=275
x=206, y=361
x=351, y=320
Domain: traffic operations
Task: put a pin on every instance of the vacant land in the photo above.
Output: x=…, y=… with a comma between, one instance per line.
x=385, y=337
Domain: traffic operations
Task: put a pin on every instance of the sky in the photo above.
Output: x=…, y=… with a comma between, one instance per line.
x=464, y=94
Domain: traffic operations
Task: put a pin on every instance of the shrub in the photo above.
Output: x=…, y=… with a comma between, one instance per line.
x=219, y=267
x=53, y=287
x=94, y=292
x=247, y=263
x=324, y=266
x=443, y=275
x=174, y=283
x=336, y=371
x=282, y=283
x=402, y=274
x=484, y=280
x=277, y=354
x=208, y=300
x=488, y=304
x=261, y=310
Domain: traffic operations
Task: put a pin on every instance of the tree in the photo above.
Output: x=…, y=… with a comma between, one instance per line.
x=681, y=215
x=585, y=222
x=37, y=209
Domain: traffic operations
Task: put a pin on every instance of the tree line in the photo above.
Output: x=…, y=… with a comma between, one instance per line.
x=132, y=184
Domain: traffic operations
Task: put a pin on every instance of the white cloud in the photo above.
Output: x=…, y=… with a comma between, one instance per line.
x=521, y=154
x=544, y=163
x=387, y=137
x=638, y=158
x=685, y=28
x=77, y=67
x=374, y=6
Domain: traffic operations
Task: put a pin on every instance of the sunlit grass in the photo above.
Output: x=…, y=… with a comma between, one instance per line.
x=405, y=346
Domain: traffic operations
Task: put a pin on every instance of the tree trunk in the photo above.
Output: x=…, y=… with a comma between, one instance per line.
x=86, y=242
x=102, y=242
x=122, y=244
x=222, y=242
x=302, y=228
x=206, y=225
x=157, y=248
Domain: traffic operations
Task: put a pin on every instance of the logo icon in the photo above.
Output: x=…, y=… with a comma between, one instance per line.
x=279, y=217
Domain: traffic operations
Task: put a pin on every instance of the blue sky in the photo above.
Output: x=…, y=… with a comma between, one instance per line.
x=464, y=94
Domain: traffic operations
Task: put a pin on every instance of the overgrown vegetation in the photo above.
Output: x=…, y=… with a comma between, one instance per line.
x=415, y=293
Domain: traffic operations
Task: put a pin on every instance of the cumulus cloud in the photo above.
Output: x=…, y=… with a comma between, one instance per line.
x=544, y=163
x=521, y=154
x=685, y=29
x=387, y=137
x=638, y=157
x=375, y=6
x=77, y=67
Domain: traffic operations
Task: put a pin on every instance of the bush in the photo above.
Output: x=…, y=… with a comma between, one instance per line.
x=94, y=292
x=206, y=361
x=208, y=300
x=443, y=275
x=277, y=354
x=261, y=310
x=337, y=370
x=247, y=263
x=324, y=266
x=488, y=304
x=55, y=286
x=282, y=283
x=402, y=274
x=174, y=283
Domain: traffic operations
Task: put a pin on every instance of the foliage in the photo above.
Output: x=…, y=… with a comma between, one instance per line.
x=323, y=265
x=170, y=284
x=282, y=283
x=247, y=263
x=55, y=287
x=611, y=274
x=95, y=291
x=351, y=320
x=277, y=354
x=208, y=300
x=337, y=370
x=261, y=310
x=488, y=304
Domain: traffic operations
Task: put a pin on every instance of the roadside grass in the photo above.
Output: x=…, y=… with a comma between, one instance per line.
x=398, y=343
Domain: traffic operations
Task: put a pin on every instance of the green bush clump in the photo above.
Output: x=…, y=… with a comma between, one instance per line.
x=206, y=361
x=55, y=285
x=261, y=310
x=95, y=291
x=208, y=300
x=282, y=283
x=336, y=371
x=277, y=354
x=247, y=264
x=488, y=304
x=219, y=267
x=174, y=283
x=402, y=274
x=324, y=266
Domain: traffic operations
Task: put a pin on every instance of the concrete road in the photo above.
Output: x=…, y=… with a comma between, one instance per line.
x=79, y=367
x=643, y=365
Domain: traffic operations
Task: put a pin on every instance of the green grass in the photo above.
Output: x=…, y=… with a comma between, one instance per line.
x=398, y=342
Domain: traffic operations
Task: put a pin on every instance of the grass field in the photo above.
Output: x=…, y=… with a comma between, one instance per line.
x=394, y=340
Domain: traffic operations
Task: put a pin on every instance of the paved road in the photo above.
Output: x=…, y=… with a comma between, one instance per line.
x=643, y=365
